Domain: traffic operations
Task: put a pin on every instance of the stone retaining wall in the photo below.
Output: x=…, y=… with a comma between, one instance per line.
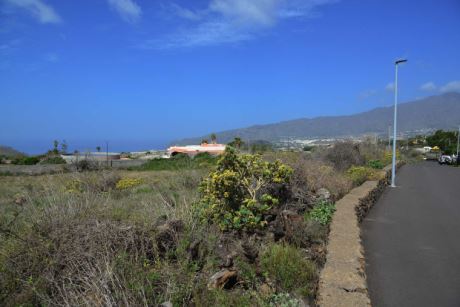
x=343, y=279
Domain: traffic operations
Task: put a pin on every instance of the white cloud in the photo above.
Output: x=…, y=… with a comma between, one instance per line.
x=453, y=86
x=128, y=10
x=231, y=21
x=206, y=34
x=253, y=13
x=185, y=13
x=428, y=87
x=390, y=87
x=37, y=8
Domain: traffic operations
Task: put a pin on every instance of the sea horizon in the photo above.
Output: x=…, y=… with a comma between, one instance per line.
x=35, y=147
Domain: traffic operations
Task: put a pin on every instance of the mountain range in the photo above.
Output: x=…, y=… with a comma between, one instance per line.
x=422, y=115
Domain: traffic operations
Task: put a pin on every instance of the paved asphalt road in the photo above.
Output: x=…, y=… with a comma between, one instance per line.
x=412, y=239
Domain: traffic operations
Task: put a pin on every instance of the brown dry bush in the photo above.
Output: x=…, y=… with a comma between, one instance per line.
x=372, y=151
x=343, y=155
x=310, y=175
x=313, y=173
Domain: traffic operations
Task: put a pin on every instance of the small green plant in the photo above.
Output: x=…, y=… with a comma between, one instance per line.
x=284, y=300
x=291, y=270
x=322, y=212
x=376, y=164
x=237, y=194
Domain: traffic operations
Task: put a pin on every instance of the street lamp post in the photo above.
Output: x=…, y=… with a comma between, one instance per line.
x=393, y=167
x=458, y=144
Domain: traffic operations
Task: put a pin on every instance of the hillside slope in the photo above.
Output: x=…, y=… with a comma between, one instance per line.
x=434, y=112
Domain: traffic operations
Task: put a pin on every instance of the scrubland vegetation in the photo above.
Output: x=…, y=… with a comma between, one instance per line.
x=241, y=230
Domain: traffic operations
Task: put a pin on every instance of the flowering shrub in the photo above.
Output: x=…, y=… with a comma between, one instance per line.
x=238, y=193
x=127, y=183
x=74, y=186
x=388, y=156
x=360, y=174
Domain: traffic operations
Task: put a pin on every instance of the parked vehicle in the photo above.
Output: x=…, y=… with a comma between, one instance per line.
x=445, y=159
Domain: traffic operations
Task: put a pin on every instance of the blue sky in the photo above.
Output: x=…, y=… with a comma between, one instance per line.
x=143, y=73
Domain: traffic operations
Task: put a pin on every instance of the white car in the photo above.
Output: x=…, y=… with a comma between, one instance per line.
x=445, y=159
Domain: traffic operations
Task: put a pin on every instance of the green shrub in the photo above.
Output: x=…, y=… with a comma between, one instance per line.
x=179, y=162
x=322, y=212
x=53, y=160
x=360, y=174
x=224, y=298
x=376, y=164
x=26, y=161
x=237, y=193
x=289, y=268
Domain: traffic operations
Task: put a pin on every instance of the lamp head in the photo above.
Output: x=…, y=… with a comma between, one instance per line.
x=400, y=61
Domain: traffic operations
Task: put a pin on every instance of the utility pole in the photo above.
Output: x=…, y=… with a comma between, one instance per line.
x=389, y=137
x=107, y=152
x=393, y=167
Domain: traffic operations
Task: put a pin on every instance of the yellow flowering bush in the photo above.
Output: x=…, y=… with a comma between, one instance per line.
x=74, y=186
x=127, y=183
x=388, y=156
x=360, y=174
x=237, y=194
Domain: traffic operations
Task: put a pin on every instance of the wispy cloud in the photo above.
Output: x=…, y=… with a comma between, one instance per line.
x=205, y=34
x=41, y=11
x=453, y=86
x=232, y=21
x=428, y=87
x=128, y=10
x=390, y=87
x=366, y=94
x=185, y=13
x=249, y=13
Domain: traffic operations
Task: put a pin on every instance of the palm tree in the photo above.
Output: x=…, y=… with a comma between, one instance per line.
x=98, y=148
x=213, y=138
x=237, y=142
x=64, y=146
x=55, y=145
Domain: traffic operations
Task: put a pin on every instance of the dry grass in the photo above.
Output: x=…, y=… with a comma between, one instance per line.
x=75, y=239
x=94, y=245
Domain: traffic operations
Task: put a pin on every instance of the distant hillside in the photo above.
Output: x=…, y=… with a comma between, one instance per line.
x=9, y=152
x=435, y=112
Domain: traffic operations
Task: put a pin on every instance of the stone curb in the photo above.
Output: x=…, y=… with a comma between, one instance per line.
x=343, y=279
